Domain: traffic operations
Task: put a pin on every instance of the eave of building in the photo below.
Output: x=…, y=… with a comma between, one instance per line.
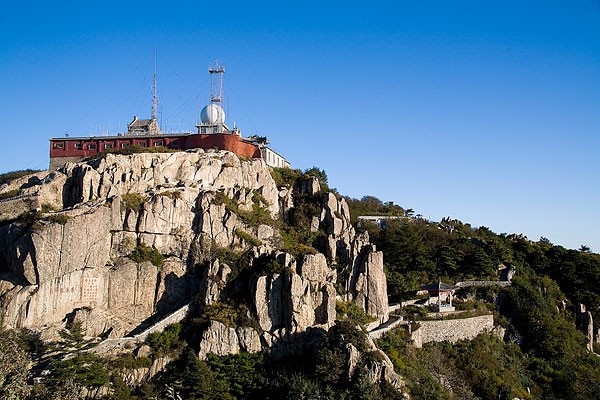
x=124, y=136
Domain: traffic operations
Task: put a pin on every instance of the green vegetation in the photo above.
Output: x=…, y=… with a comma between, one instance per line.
x=351, y=311
x=316, y=374
x=9, y=194
x=143, y=252
x=297, y=243
x=370, y=205
x=125, y=362
x=552, y=362
x=8, y=177
x=222, y=312
x=288, y=177
x=60, y=219
x=132, y=201
x=285, y=176
x=14, y=366
x=258, y=215
x=72, y=367
x=483, y=368
x=247, y=238
x=165, y=342
x=298, y=236
x=46, y=208
x=172, y=194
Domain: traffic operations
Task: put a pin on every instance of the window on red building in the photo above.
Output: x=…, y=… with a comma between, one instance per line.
x=108, y=145
x=58, y=146
x=158, y=144
x=78, y=146
x=92, y=146
x=123, y=145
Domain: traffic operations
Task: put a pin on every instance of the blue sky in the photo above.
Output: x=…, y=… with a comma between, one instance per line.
x=488, y=112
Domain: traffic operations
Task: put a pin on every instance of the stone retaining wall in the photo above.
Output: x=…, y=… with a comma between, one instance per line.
x=393, y=322
x=483, y=283
x=125, y=343
x=451, y=330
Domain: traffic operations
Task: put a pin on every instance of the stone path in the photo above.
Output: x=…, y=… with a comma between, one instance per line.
x=109, y=345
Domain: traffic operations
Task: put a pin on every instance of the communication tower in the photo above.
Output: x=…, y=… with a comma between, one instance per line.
x=217, y=71
x=154, y=96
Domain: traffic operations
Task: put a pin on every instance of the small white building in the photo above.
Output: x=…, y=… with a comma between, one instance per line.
x=272, y=158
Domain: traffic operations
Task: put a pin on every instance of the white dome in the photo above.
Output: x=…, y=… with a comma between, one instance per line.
x=212, y=114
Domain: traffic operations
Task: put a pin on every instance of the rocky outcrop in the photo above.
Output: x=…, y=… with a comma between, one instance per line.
x=222, y=340
x=213, y=281
x=304, y=296
x=77, y=263
x=370, y=287
x=77, y=258
x=585, y=323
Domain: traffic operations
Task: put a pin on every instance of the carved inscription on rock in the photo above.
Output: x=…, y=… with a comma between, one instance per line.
x=90, y=289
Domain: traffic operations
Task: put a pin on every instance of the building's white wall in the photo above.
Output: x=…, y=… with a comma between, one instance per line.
x=273, y=159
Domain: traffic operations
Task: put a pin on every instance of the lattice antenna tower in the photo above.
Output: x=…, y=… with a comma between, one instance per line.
x=217, y=71
x=154, y=96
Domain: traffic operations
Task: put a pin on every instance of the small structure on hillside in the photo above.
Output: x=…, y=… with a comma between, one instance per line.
x=379, y=220
x=443, y=292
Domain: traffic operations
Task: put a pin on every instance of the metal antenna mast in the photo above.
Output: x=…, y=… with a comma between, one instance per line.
x=154, y=97
x=216, y=70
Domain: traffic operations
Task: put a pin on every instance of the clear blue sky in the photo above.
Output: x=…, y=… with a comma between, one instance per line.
x=485, y=111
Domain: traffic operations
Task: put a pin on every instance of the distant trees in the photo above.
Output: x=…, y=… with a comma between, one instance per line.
x=371, y=205
x=72, y=368
x=14, y=366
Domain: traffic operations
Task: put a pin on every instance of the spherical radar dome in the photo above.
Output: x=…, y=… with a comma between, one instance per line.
x=212, y=114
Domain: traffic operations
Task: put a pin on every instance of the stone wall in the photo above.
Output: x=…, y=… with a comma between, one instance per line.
x=59, y=162
x=116, y=345
x=466, y=284
x=451, y=330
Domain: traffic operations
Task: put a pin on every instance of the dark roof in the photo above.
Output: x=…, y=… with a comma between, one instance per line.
x=140, y=123
x=438, y=286
x=122, y=136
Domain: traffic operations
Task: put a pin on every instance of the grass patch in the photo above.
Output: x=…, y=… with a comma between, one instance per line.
x=60, y=219
x=232, y=316
x=143, y=252
x=172, y=194
x=124, y=362
x=9, y=194
x=298, y=243
x=12, y=175
x=132, y=201
x=351, y=311
x=222, y=312
x=285, y=176
x=259, y=215
x=248, y=238
x=46, y=208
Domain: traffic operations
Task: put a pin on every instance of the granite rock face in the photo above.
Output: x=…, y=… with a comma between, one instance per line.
x=188, y=207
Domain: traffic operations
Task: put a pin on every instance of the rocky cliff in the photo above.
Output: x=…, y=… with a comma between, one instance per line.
x=123, y=240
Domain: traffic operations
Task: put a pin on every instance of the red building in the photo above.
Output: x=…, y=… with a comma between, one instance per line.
x=73, y=149
x=212, y=133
